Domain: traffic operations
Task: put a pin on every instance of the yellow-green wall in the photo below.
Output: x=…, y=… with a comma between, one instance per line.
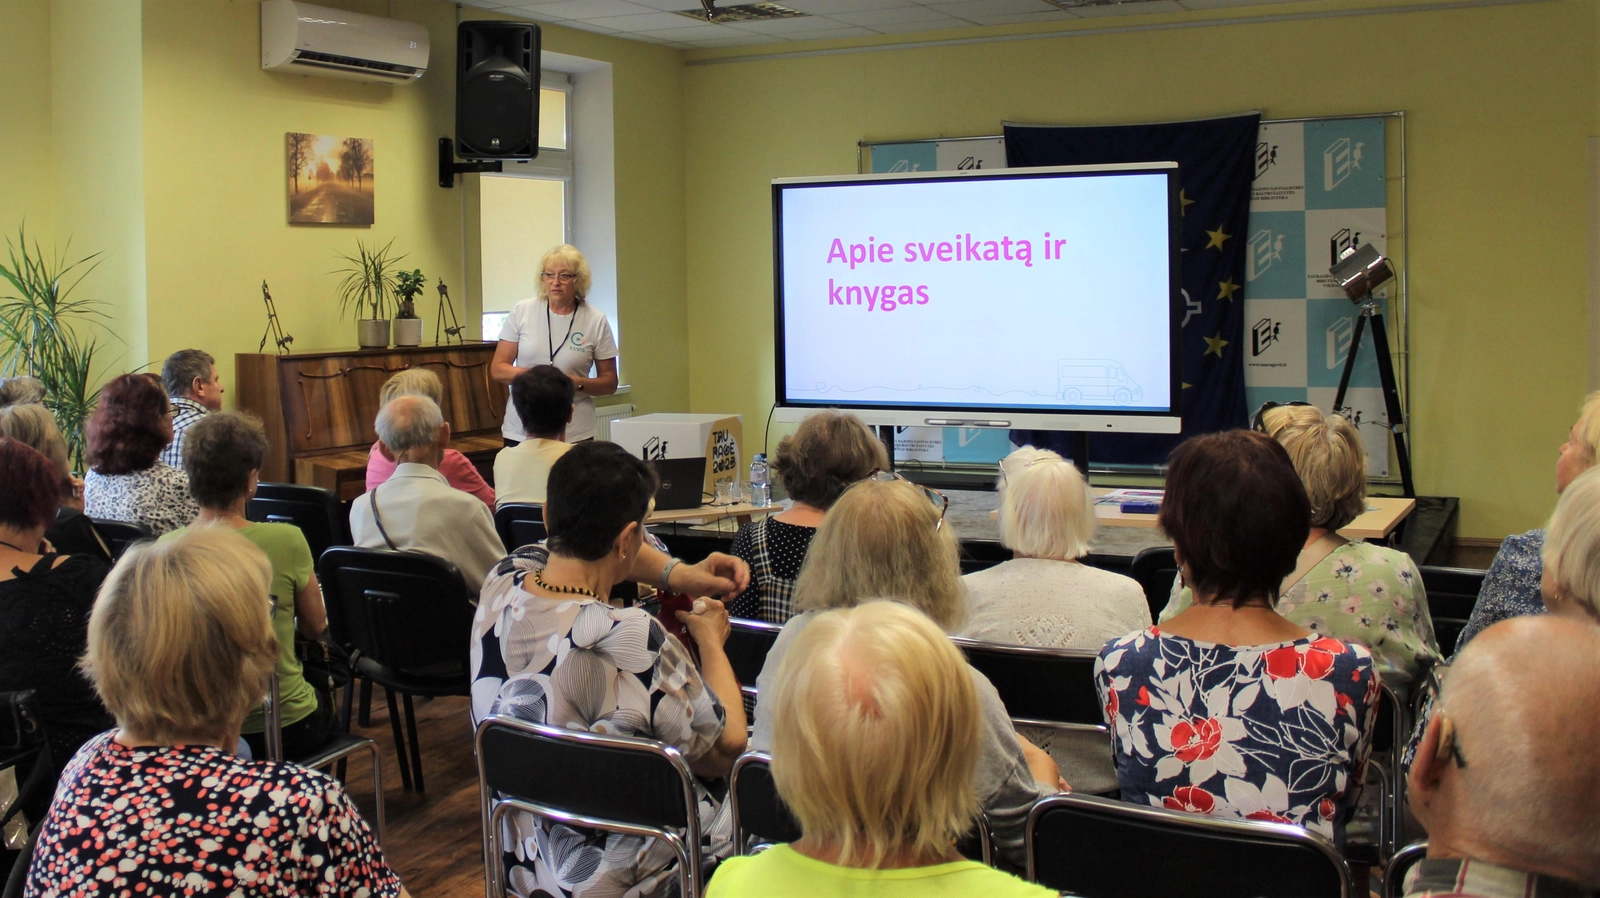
x=1498, y=100
x=27, y=166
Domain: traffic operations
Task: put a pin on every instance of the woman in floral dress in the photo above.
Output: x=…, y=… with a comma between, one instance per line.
x=547, y=648
x=1229, y=708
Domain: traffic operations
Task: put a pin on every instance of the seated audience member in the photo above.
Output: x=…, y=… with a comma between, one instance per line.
x=1571, y=578
x=457, y=469
x=127, y=479
x=195, y=387
x=1505, y=786
x=1229, y=708
x=1046, y=597
x=416, y=509
x=818, y=462
x=1511, y=586
x=222, y=457
x=72, y=533
x=542, y=396
x=22, y=390
x=861, y=685
x=883, y=539
x=549, y=648
x=45, y=599
x=180, y=647
x=1347, y=589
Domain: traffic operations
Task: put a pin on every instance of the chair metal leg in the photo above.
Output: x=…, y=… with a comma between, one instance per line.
x=399, y=739
x=366, y=703
x=416, y=750
x=377, y=787
x=345, y=705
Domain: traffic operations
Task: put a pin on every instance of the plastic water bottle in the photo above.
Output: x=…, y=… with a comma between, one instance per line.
x=760, y=489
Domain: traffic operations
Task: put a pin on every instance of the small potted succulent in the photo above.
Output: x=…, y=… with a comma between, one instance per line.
x=407, y=324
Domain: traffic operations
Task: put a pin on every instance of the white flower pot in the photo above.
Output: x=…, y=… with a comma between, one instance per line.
x=408, y=332
x=372, y=333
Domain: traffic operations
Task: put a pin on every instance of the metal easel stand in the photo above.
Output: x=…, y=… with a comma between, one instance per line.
x=1391, y=393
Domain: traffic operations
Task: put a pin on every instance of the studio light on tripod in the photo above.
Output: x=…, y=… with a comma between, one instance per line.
x=1361, y=271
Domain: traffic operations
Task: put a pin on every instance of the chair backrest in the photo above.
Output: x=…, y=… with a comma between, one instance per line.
x=614, y=783
x=1394, y=876
x=314, y=510
x=747, y=647
x=1110, y=849
x=118, y=535
x=1040, y=687
x=1155, y=569
x=23, y=741
x=1452, y=593
x=401, y=610
x=758, y=812
x=519, y=524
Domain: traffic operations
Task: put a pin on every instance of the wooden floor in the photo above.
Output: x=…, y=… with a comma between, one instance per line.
x=433, y=840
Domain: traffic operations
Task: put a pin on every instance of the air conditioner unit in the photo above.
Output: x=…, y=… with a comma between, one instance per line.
x=314, y=40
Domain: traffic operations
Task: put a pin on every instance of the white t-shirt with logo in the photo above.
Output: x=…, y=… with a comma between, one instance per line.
x=579, y=340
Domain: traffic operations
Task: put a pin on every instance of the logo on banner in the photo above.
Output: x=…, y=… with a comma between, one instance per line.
x=1264, y=249
x=1191, y=307
x=1266, y=157
x=1340, y=335
x=904, y=165
x=1338, y=161
x=1263, y=335
x=1344, y=239
x=724, y=452
x=655, y=449
x=970, y=163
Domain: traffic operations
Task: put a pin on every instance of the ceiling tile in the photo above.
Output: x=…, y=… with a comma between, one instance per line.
x=673, y=5
x=873, y=18
x=830, y=34
x=650, y=21
x=943, y=24
x=786, y=27
x=703, y=31
x=1144, y=7
x=742, y=41
x=974, y=9
x=589, y=9
x=830, y=7
x=594, y=25
x=1023, y=18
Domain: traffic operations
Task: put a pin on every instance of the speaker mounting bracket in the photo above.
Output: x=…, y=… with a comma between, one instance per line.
x=449, y=167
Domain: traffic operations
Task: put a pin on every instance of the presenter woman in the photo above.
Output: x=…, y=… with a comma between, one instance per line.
x=558, y=328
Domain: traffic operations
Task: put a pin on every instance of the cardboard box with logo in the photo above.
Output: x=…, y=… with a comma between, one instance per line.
x=718, y=439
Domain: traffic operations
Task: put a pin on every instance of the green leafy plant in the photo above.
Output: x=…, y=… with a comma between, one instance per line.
x=407, y=285
x=40, y=337
x=370, y=283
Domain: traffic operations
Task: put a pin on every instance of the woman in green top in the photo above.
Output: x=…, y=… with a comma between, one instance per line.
x=875, y=740
x=1346, y=589
x=222, y=454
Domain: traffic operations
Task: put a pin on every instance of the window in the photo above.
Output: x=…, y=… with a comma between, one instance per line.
x=527, y=208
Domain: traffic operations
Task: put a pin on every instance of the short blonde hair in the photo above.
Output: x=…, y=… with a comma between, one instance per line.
x=866, y=684
x=412, y=382
x=35, y=426
x=1588, y=427
x=1572, y=542
x=1328, y=455
x=180, y=638
x=881, y=540
x=569, y=254
x=1046, y=510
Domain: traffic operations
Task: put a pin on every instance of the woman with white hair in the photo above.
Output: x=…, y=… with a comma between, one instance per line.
x=861, y=685
x=1343, y=588
x=884, y=539
x=1045, y=596
x=558, y=328
x=1570, y=581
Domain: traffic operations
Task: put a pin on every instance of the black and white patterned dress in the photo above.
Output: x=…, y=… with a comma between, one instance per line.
x=582, y=664
x=775, y=552
x=157, y=497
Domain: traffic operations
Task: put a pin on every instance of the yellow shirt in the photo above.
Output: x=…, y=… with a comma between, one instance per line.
x=522, y=471
x=782, y=872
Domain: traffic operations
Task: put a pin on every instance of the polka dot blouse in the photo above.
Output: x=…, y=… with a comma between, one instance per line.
x=775, y=551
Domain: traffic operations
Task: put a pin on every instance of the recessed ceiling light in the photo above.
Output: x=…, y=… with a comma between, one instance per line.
x=747, y=12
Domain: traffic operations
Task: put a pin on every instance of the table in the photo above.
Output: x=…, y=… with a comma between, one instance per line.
x=741, y=514
x=1383, y=514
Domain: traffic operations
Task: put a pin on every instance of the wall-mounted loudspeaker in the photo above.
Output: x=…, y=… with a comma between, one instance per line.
x=497, y=90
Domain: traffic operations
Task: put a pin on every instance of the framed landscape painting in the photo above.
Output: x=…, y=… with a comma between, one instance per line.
x=330, y=179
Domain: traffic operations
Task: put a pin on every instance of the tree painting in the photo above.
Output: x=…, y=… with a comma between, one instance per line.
x=330, y=179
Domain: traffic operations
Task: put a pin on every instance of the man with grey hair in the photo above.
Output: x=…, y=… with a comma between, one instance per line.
x=417, y=509
x=195, y=388
x=1506, y=776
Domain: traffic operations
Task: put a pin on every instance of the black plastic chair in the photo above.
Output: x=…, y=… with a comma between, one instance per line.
x=1452, y=593
x=746, y=648
x=1394, y=876
x=314, y=510
x=336, y=749
x=406, y=619
x=1155, y=569
x=1040, y=687
x=1110, y=849
x=119, y=535
x=613, y=783
x=23, y=743
x=519, y=524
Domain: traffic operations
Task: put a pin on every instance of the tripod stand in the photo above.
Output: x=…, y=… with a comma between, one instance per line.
x=1391, y=393
x=274, y=327
x=446, y=307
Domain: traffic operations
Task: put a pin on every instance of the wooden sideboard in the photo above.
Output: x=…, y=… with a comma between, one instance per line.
x=319, y=407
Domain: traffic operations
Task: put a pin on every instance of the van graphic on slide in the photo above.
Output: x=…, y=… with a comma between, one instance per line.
x=1095, y=380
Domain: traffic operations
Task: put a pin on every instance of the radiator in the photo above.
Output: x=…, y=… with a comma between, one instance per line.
x=605, y=414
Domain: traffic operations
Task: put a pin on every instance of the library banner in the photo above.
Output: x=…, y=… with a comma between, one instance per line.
x=1319, y=189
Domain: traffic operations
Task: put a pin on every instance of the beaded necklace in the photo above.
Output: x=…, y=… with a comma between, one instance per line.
x=538, y=579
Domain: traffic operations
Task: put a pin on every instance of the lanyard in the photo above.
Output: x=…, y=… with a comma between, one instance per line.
x=548, y=332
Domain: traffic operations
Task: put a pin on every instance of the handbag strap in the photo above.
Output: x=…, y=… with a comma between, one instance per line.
x=1311, y=556
x=372, y=500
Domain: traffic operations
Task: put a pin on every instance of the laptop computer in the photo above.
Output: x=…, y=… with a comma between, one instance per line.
x=682, y=483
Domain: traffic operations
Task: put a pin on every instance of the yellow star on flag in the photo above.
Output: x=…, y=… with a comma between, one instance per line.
x=1184, y=202
x=1214, y=345
x=1226, y=289
x=1187, y=386
x=1217, y=238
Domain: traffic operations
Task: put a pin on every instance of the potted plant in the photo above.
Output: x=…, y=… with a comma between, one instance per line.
x=39, y=337
x=369, y=286
x=407, y=325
